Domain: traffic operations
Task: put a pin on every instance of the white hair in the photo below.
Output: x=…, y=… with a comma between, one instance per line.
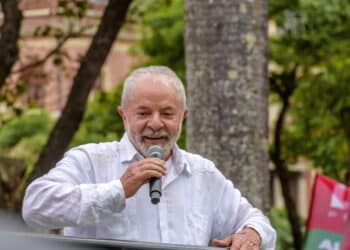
x=174, y=81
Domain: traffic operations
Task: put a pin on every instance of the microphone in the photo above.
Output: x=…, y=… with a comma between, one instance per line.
x=155, y=184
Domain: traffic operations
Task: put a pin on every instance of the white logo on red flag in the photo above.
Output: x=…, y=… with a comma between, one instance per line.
x=338, y=199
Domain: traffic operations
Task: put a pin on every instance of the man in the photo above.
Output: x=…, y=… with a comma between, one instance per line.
x=101, y=190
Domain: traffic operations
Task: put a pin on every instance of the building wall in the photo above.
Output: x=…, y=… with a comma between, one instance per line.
x=52, y=83
x=48, y=85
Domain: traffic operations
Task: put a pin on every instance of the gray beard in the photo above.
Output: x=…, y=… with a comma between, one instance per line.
x=143, y=149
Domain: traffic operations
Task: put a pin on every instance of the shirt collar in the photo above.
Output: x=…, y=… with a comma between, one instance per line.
x=130, y=154
x=179, y=162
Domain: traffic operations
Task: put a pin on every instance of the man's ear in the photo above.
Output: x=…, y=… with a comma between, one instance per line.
x=185, y=114
x=121, y=112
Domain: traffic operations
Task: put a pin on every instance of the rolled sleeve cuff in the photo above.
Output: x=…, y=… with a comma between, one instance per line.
x=101, y=198
x=117, y=201
x=268, y=237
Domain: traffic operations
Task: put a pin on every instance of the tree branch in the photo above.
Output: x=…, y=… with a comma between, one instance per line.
x=274, y=85
x=50, y=53
x=9, y=37
x=89, y=70
x=288, y=81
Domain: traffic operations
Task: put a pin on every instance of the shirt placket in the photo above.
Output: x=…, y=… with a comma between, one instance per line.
x=163, y=219
x=163, y=204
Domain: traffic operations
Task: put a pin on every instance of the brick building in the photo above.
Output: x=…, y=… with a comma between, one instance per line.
x=48, y=85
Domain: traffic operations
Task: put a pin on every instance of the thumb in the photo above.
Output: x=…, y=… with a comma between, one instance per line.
x=222, y=243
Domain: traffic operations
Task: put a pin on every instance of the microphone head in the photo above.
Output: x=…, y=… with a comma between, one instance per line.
x=155, y=151
x=155, y=197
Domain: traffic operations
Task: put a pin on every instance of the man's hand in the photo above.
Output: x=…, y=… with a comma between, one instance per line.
x=246, y=239
x=139, y=173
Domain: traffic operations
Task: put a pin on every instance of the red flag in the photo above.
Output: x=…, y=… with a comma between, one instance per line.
x=346, y=241
x=328, y=214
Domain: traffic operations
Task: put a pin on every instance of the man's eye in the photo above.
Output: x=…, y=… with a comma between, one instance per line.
x=143, y=113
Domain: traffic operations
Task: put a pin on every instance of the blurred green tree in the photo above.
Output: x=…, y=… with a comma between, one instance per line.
x=280, y=221
x=66, y=125
x=310, y=56
x=72, y=114
x=28, y=124
x=162, y=35
x=21, y=140
x=101, y=120
x=309, y=80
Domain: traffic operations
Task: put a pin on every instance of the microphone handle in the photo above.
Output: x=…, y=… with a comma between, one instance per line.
x=155, y=190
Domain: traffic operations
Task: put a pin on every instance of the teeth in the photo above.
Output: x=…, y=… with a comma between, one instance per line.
x=154, y=138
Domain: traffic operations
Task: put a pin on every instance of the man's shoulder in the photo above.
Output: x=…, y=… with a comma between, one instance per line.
x=199, y=163
x=204, y=172
x=101, y=148
x=193, y=157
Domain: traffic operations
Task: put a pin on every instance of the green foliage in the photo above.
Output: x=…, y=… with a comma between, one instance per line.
x=29, y=148
x=24, y=136
x=138, y=8
x=279, y=221
x=162, y=41
x=29, y=124
x=72, y=9
x=101, y=121
x=321, y=125
x=312, y=38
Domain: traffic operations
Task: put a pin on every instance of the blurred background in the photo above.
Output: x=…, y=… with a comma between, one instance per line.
x=45, y=66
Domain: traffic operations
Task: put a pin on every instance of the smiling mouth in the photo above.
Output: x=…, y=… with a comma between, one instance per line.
x=154, y=138
x=157, y=140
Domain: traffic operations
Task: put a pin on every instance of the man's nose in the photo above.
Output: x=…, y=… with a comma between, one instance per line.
x=155, y=123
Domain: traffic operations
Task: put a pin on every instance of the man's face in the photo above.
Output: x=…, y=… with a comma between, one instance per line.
x=153, y=114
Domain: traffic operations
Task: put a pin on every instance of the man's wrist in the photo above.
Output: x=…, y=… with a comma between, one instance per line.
x=250, y=229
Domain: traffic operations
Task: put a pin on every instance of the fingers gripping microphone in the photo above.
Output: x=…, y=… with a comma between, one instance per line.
x=155, y=185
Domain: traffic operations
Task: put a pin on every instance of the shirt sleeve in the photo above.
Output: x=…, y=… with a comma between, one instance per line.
x=234, y=213
x=68, y=196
